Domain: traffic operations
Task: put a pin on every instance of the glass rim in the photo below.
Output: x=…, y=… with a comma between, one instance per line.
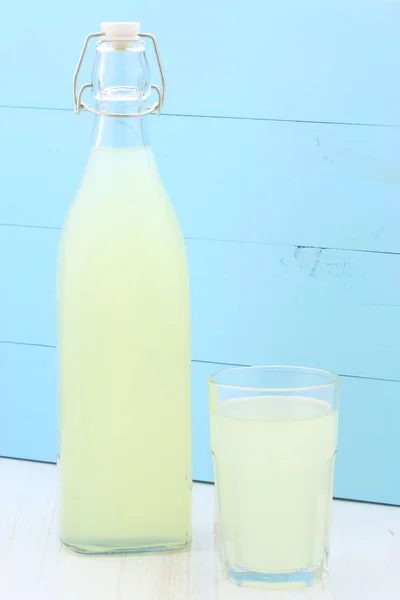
x=334, y=379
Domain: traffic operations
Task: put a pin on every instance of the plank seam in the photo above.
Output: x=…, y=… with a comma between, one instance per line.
x=227, y=117
x=229, y=241
x=206, y=362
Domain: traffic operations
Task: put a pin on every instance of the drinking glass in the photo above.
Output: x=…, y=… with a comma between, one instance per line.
x=273, y=438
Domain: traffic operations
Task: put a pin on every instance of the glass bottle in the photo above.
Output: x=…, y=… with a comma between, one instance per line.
x=123, y=326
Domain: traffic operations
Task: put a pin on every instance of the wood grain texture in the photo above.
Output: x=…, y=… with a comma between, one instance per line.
x=251, y=303
x=330, y=61
x=275, y=183
x=364, y=562
x=256, y=304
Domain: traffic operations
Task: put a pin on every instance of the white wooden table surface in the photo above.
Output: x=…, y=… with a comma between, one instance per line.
x=365, y=553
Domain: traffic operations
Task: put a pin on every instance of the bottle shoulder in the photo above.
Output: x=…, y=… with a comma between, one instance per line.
x=122, y=187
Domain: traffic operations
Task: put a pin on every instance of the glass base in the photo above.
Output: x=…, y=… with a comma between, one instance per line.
x=107, y=548
x=274, y=581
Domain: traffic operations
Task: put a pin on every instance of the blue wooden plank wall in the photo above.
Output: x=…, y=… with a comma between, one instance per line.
x=280, y=147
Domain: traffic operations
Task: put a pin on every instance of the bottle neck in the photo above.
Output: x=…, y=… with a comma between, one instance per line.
x=118, y=132
x=120, y=85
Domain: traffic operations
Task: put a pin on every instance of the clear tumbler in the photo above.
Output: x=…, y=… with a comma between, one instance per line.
x=274, y=437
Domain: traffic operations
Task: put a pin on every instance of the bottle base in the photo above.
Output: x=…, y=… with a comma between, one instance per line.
x=109, y=548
